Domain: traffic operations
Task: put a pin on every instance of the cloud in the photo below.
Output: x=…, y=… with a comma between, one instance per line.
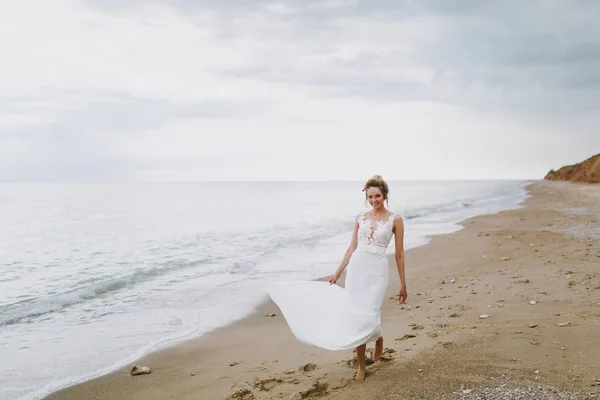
x=228, y=89
x=477, y=54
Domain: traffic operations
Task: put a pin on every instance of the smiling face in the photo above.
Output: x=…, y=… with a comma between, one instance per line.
x=375, y=198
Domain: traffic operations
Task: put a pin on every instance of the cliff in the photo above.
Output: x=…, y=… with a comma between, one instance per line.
x=587, y=171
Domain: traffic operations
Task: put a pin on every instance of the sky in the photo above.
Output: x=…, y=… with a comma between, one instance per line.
x=191, y=90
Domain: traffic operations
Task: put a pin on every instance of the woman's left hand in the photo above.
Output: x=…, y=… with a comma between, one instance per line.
x=402, y=296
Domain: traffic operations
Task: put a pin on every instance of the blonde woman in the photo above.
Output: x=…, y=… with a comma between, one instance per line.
x=325, y=315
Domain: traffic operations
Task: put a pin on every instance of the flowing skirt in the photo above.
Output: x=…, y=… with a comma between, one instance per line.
x=336, y=318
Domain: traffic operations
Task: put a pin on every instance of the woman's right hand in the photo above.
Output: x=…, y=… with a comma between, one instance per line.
x=334, y=278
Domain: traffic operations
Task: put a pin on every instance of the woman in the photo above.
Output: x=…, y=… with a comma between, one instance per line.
x=334, y=318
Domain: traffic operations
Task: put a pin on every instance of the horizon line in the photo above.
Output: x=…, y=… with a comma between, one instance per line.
x=274, y=180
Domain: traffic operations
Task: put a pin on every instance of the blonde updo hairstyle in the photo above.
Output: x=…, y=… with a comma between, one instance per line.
x=378, y=182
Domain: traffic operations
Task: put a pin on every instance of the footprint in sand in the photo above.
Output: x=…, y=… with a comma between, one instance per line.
x=241, y=394
x=318, y=388
x=265, y=385
x=353, y=362
x=406, y=337
x=387, y=354
x=308, y=367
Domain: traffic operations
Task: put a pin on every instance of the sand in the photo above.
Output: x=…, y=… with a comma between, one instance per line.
x=529, y=270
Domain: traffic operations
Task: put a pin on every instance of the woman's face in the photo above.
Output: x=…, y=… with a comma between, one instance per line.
x=375, y=197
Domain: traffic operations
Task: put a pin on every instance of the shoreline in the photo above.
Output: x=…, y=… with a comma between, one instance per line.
x=201, y=366
x=450, y=213
x=264, y=308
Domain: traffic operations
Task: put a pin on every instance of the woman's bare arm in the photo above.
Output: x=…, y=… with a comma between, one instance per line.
x=399, y=256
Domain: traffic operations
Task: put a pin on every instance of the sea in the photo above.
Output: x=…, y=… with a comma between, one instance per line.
x=95, y=275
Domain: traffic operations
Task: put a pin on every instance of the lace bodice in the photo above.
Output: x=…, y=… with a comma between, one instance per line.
x=375, y=233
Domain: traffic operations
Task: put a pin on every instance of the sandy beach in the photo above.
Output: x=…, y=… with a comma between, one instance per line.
x=507, y=306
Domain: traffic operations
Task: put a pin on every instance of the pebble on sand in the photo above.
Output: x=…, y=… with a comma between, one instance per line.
x=135, y=370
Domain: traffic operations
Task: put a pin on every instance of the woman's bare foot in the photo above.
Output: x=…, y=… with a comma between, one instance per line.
x=362, y=364
x=360, y=375
x=378, y=349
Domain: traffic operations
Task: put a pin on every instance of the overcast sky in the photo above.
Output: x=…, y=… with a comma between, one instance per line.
x=296, y=90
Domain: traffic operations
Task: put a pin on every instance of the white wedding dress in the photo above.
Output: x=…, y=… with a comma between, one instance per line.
x=337, y=318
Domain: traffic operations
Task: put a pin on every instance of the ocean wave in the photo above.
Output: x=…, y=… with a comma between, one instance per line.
x=420, y=212
x=93, y=288
x=236, y=253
